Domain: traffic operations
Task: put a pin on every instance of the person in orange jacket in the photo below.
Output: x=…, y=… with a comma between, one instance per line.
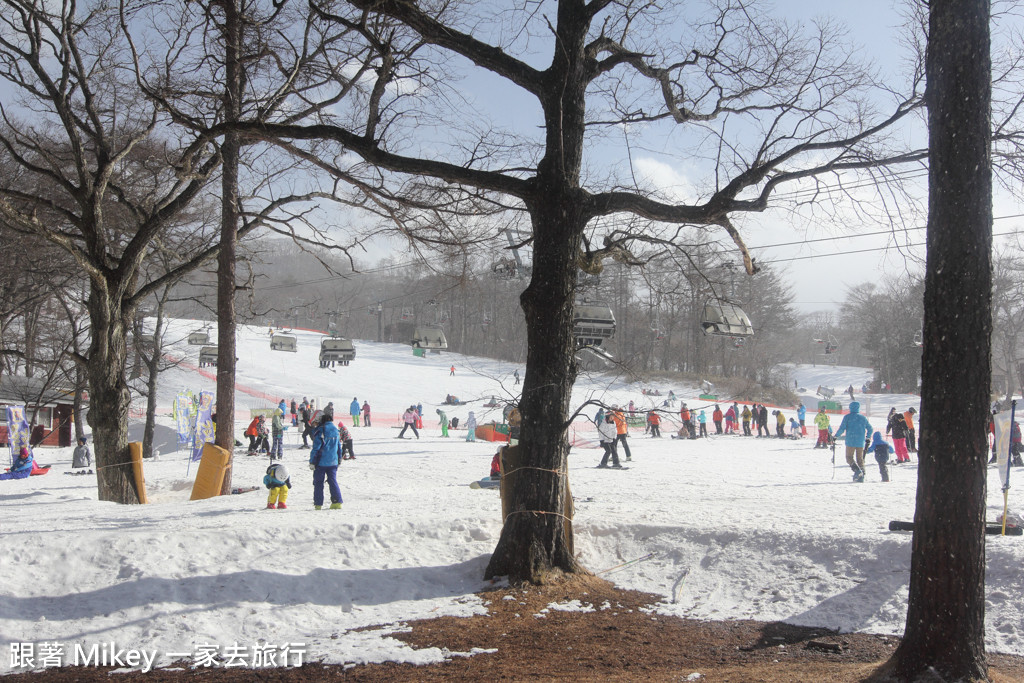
x=654, y=423
x=908, y=417
x=621, y=430
x=716, y=417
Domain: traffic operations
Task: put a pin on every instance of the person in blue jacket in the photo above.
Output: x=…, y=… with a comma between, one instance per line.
x=323, y=460
x=801, y=415
x=882, y=450
x=22, y=466
x=355, y=409
x=857, y=430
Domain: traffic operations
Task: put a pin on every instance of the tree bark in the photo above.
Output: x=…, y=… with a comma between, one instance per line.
x=946, y=610
x=231, y=153
x=534, y=545
x=109, y=396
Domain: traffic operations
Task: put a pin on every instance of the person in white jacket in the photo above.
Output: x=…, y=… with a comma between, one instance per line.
x=608, y=434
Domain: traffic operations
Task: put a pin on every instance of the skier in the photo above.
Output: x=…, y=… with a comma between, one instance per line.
x=366, y=414
x=622, y=431
x=278, y=481
x=277, y=433
x=801, y=415
x=780, y=424
x=857, y=428
x=515, y=375
x=306, y=415
x=654, y=422
x=608, y=434
x=730, y=420
x=451, y=372
x=762, y=421
x=323, y=461
x=409, y=418
x=443, y=421
x=81, y=457
x=716, y=417
x=471, y=427
x=908, y=417
x=354, y=409
x=702, y=419
x=345, y=443
x=745, y=416
x=881, y=449
x=898, y=426
x=821, y=421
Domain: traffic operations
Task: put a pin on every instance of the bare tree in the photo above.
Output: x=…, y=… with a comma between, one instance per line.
x=800, y=102
x=945, y=630
x=95, y=179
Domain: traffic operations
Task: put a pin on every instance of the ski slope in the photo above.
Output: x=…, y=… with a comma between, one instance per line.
x=735, y=527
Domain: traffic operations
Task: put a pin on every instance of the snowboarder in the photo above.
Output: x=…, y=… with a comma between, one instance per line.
x=278, y=481
x=323, y=461
x=608, y=434
x=81, y=457
x=856, y=428
x=881, y=449
x=354, y=409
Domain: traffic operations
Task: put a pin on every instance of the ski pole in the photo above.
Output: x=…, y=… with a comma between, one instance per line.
x=628, y=562
x=1009, y=462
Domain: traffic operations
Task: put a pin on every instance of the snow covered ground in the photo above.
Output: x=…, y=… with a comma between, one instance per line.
x=732, y=527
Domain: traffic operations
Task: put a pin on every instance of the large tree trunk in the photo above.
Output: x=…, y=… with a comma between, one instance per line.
x=109, y=397
x=946, y=611
x=231, y=152
x=535, y=544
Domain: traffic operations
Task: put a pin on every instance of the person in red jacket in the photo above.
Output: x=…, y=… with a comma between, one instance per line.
x=716, y=417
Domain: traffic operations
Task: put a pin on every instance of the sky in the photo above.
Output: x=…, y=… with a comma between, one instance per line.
x=727, y=527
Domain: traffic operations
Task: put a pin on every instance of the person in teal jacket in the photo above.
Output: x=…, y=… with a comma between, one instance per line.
x=857, y=429
x=323, y=460
x=702, y=419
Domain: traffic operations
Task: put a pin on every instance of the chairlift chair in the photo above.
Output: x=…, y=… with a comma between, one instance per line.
x=593, y=322
x=336, y=349
x=198, y=338
x=283, y=342
x=725, y=319
x=430, y=337
x=919, y=339
x=208, y=356
x=406, y=314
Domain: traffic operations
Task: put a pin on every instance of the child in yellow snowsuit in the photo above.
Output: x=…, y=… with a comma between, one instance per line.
x=278, y=481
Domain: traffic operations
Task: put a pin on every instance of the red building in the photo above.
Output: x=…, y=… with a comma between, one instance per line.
x=49, y=409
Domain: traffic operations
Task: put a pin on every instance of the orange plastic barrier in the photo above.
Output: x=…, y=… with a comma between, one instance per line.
x=135, y=450
x=210, y=474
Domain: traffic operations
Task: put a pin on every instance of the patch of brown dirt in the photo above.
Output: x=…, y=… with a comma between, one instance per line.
x=620, y=640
